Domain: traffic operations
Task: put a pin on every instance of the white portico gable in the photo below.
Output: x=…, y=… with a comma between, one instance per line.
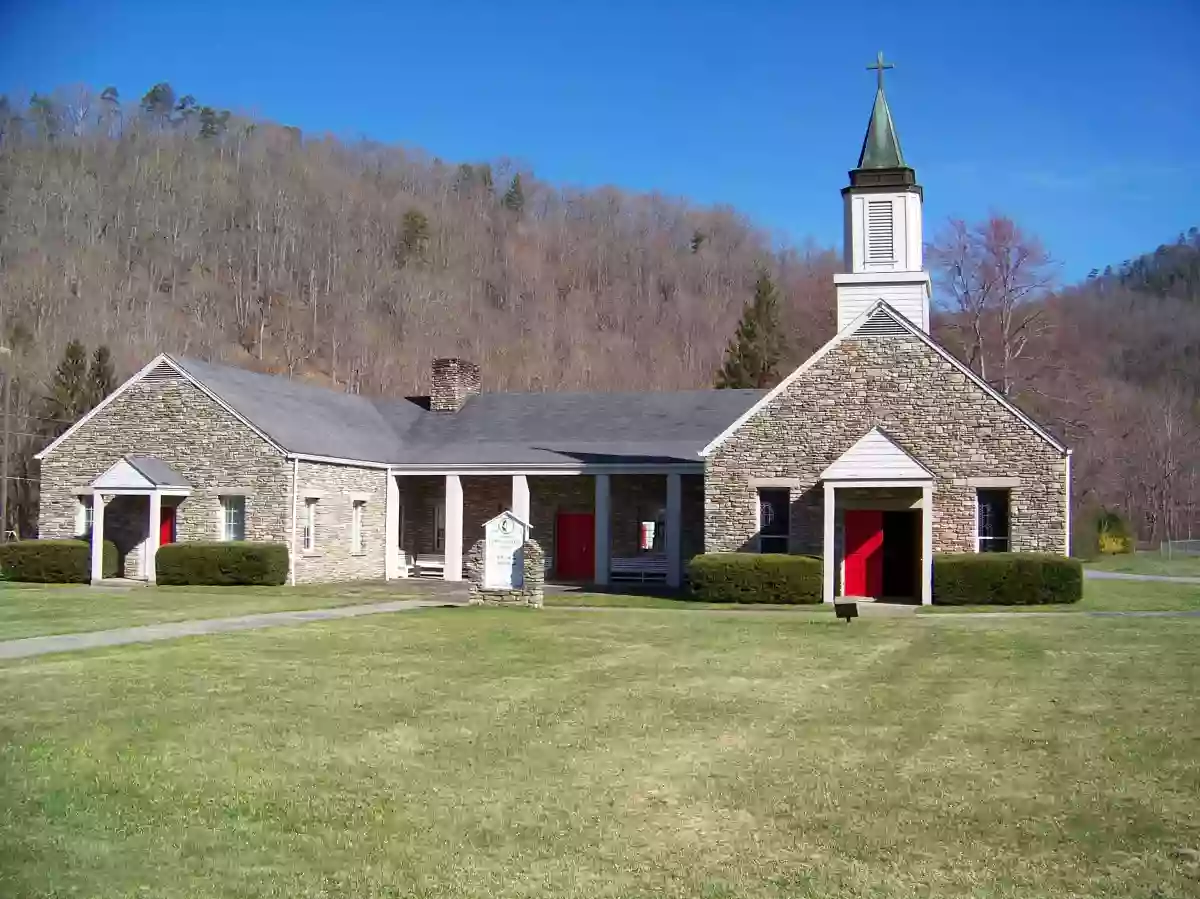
x=875, y=475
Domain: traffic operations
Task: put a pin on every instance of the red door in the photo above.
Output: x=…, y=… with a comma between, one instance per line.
x=166, y=525
x=864, y=553
x=575, y=546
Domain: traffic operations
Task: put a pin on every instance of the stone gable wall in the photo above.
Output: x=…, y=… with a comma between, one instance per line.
x=199, y=439
x=335, y=488
x=929, y=408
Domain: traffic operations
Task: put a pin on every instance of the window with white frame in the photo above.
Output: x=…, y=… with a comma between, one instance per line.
x=233, y=518
x=439, y=527
x=308, y=540
x=356, y=526
x=84, y=520
x=774, y=525
x=992, y=521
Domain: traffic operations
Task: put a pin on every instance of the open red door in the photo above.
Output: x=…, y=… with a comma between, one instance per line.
x=166, y=525
x=864, y=553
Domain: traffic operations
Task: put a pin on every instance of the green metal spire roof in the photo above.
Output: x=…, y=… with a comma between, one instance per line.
x=881, y=145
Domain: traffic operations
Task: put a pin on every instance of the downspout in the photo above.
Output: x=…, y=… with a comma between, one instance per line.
x=1067, y=517
x=292, y=547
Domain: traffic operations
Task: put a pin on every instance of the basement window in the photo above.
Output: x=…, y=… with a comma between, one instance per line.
x=774, y=524
x=992, y=527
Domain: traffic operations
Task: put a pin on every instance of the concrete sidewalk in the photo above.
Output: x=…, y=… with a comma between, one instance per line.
x=150, y=633
x=1091, y=574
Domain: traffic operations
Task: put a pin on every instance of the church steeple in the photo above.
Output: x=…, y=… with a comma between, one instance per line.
x=881, y=144
x=883, y=252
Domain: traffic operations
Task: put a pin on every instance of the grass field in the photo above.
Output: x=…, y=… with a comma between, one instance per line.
x=1149, y=563
x=27, y=610
x=513, y=753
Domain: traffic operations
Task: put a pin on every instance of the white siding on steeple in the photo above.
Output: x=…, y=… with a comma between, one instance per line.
x=906, y=292
x=875, y=458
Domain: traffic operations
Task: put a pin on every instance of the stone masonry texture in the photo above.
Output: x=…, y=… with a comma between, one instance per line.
x=929, y=408
x=218, y=456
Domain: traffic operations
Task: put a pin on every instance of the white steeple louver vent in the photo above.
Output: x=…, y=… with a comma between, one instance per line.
x=880, y=240
x=163, y=373
x=881, y=324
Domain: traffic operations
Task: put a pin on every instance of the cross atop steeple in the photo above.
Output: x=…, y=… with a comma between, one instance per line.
x=880, y=66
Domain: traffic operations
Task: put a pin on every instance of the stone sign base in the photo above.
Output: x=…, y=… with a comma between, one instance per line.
x=534, y=575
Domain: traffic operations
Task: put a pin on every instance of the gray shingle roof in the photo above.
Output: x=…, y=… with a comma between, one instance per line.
x=491, y=429
x=156, y=471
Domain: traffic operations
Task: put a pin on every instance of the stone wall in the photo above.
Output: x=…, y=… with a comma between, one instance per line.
x=530, y=593
x=927, y=406
x=200, y=440
x=335, y=489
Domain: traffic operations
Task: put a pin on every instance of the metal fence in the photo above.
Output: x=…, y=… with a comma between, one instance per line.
x=1170, y=548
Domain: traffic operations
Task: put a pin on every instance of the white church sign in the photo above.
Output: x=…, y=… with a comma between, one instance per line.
x=503, y=559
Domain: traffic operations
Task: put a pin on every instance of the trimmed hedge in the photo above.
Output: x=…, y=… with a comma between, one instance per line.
x=54, y=561
x=222, y=564
x=755, y=578
x=1005, y=579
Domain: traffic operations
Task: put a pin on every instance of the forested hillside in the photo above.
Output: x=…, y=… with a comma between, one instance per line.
x=163, y=224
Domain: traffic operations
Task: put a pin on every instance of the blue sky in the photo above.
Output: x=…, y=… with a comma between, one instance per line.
x=1079, y=119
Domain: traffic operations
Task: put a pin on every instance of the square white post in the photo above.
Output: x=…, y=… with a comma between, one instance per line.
x=603, y=509
x=927, y=545
x=674, y=530
x=828, y=550
x=391, y=527
x=153, y=537
x=454, y=529
x=520, y=497
x=97, y=538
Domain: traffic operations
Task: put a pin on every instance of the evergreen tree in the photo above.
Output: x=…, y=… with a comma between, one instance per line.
x=69, y=390
x=414, y=236
x=756, y=348
x=101, y=379
x=514, y=197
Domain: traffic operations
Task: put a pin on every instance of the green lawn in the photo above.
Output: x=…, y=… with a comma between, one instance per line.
x=1149, y=563
x=29, y=611
x=1098, y=596
x=515, y=753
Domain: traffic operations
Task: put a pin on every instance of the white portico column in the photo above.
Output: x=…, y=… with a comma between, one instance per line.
x=391, y=527
x=520, y=497
x=603, y=510
x=98, y=503
x=153, y=536
x=454, y=528
x=674, y=530
x=828, y=550
x=927, y=545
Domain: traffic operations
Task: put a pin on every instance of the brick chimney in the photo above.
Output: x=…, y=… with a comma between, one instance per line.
x=454, y=382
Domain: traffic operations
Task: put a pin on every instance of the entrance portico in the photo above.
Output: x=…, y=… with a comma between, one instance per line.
x=872, y=481
x=137, y=476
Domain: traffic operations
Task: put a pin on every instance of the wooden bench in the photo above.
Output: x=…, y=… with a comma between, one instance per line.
x=642, y=569
x=429, y=563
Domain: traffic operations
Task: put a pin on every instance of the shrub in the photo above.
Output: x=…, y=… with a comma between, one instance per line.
x=222, y=564
x=1113, y=535
x=1005, y=579
x=54, y=561
x=755, y=578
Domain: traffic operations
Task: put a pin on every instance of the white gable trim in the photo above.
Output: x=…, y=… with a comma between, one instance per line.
x=122, y=476
x=847, y=332
x=876, y=457
x=161, y=358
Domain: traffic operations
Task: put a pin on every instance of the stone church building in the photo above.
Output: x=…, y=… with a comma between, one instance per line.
x=879, y=451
